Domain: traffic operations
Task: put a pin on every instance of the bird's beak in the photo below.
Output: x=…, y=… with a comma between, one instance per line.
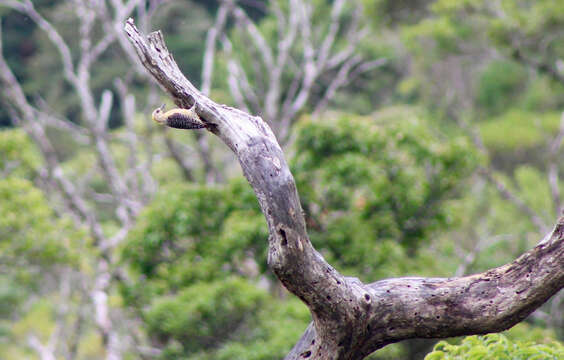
x=162, y=107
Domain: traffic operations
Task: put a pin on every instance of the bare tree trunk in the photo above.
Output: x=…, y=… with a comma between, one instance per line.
x=352, y=319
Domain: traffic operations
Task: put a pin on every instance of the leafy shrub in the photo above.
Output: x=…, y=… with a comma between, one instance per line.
x=496, y=346
x=377, y=185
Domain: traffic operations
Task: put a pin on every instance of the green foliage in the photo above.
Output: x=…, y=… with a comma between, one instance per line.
x=278, y=324
x=519, y=129
x=28, y=226
x=205, y=314
x=34, y=242
x=10, y=296
x=18, y=156
x=499, y=85
x=496, y=346
x=470, y=57
x=374, y=189
x=188, y=253
x=444, y=31
x=180, y=236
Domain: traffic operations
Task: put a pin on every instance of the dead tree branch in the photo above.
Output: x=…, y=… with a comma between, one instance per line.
x=352, y=319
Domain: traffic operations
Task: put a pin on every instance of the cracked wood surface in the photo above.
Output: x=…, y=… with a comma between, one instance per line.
x=352, y=319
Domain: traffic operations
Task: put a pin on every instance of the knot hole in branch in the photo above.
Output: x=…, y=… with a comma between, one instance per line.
x=282, y=233
x=288, y=238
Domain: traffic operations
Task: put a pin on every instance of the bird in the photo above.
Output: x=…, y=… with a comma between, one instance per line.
x=178, y=118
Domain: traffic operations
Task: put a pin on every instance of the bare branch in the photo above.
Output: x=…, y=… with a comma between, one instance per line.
x=508, y=195
x=258, y=40
x=101, y=47
x=352, y=319
x=487, y=174
x=15, y=99
x=339, y=80
x=105, y=108
x=309, y=71
x=238, y=78
x=102, y=318
x=46, y=118
x=43, y=351
x=137, y=169
x=178, y=156
x=113, y=26
x=80, y=82
x=541, y=67
x=469, y=258
x=211, y=39
x=284, y=45
x=353, y=36
x=236, y=92
x=329, y=40
x=26, y=7
x=346, y=75
x=211, y=172
x=271, y=65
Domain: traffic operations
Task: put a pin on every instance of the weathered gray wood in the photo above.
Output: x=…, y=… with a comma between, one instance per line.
x=352, y=319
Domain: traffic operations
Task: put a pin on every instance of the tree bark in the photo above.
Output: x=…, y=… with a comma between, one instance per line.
x=352, y=319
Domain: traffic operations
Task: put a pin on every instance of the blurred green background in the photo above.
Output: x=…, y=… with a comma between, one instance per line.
x=437, y=155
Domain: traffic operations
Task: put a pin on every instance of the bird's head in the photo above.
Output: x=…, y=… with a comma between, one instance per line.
x=158, y=114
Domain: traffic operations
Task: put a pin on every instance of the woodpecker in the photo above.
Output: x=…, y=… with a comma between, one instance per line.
x=178, y=118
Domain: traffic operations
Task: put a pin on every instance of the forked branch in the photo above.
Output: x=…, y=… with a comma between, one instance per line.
x=352, y=319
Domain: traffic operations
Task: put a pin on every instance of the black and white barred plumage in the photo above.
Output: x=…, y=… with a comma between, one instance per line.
x=178, y=118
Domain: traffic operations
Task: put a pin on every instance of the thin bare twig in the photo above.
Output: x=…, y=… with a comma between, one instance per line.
x=177, y=154
x=508, y=195
x=211, y=39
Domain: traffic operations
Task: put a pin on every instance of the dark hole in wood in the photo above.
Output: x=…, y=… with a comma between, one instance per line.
x=367, y=297
x=284, y=239
x=306, y=354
